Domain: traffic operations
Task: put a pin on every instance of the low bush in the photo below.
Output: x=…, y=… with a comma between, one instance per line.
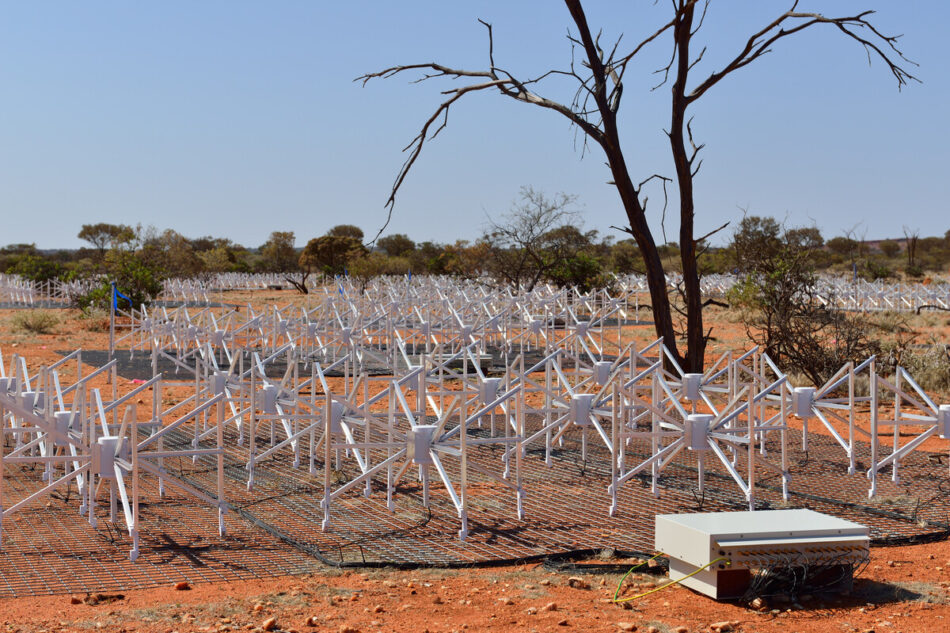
x=95, y=319
x=35, y=322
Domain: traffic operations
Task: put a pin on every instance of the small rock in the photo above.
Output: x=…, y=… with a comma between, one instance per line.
x=551, y=606
x=759, y=604
x=257, y=607
x=562, y=623
x=578, y=583
x=545, y=582
x=507, y=601
x=346, y=628
x=721, y=627
x=75, y=600
x=269, y=624
x=626, y=626
x=651, y=629
x=182, y=586
x=530, y=610
x=681, y=629
x=312, y=620
x=437, y=600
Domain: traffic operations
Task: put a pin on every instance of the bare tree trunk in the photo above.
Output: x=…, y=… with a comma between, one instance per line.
x=656, y=278
x=695, y=335
x=599, y=125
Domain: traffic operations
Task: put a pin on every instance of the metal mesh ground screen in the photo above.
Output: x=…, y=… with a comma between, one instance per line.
x=275, y=530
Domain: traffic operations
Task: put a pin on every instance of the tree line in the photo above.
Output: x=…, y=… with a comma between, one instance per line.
x=541, y=239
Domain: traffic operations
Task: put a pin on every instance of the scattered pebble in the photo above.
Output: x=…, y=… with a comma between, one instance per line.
x=578, y=583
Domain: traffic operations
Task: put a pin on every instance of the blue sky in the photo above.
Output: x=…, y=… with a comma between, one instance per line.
x=235, y=119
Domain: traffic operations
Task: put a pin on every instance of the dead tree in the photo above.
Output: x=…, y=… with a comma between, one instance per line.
x=518, y=239
x=594, y=107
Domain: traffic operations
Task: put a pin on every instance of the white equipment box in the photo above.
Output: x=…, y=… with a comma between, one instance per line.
x=756, y=540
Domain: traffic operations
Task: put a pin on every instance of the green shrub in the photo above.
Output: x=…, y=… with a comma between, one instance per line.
x=878, y=270
x=36, y=268
x=134, y=278
x=95, y=319
x=35, y=322
x=930, y=367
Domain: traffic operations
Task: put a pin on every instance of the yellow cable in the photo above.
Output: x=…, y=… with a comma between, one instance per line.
x=669, y=584
x=630, y=571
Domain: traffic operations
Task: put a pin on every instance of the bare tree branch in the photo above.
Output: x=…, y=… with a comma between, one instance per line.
x=759, y=44
x=711, y=233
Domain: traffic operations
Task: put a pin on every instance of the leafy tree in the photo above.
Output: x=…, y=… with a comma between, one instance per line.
x=133, y=277
x=429, y=257
x=396, y=245
x=35, y=268
x=890, y=248
x=843, y=246
x=781, y=313
x=625, y=257
x=347, y=230
x=170, y=252
x=278, y=252
x=464, y=259
x=216, y=260
x=365, y=267
x=328, y=254
x=103, y=235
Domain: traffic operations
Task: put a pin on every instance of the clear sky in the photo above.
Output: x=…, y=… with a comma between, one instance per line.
x=237, y=118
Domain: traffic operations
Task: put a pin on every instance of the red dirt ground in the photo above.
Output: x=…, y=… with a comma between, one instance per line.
x=903, y=588
x=518, y=598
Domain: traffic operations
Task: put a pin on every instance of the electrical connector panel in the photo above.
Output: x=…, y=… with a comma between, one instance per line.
x=746, y=541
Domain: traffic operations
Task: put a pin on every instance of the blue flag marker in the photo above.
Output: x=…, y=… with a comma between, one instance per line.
x=115, y=298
